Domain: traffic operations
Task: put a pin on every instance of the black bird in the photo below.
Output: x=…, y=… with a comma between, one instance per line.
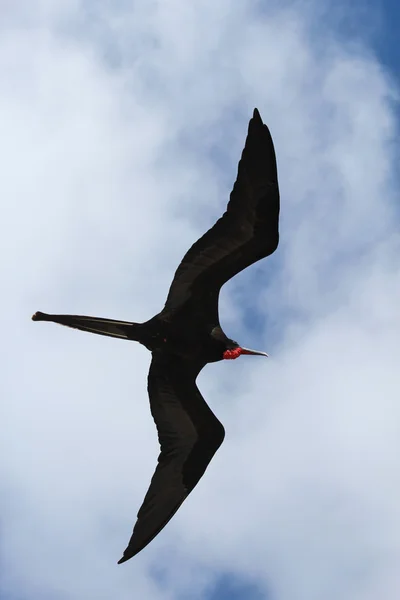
x=186, y=334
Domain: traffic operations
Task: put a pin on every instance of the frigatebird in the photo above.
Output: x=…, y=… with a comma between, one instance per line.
x=186, y=334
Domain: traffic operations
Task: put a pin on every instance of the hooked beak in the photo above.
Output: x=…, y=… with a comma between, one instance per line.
x=253, y=352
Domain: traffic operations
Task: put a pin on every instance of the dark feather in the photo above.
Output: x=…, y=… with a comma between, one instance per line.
x=189, y=434
x=125, y=330
x=247, y=232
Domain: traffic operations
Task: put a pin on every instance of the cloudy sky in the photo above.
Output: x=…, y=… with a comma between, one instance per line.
x=121, y=126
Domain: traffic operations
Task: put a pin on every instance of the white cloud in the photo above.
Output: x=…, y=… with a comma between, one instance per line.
x=121, y=130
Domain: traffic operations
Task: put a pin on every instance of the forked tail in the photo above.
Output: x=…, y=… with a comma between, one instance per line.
x=119, y=329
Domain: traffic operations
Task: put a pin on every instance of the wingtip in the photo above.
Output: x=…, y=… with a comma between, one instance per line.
x=122, y=560
x=256, y=114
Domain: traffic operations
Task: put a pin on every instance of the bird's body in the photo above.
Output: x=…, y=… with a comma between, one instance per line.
x=186, y=334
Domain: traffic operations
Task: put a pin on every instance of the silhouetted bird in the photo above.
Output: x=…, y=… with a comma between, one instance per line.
x=186, y=334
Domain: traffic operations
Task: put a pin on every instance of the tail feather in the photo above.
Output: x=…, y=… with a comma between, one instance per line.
x=110, y=327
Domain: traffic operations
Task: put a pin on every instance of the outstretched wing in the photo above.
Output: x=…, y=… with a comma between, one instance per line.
x=247, y=232
x=189, y=435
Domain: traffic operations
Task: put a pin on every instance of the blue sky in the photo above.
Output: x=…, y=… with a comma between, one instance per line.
x=387, y=37
x=122, y=127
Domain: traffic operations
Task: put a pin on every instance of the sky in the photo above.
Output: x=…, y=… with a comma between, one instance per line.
x=121, y=127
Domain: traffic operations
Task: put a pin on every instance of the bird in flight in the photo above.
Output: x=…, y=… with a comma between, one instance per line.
x=186, y=334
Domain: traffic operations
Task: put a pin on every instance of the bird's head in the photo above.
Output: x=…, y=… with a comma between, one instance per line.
x=234, y=351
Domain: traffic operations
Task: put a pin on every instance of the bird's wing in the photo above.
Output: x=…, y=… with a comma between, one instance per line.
x=189, y=435
x=247, y=232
